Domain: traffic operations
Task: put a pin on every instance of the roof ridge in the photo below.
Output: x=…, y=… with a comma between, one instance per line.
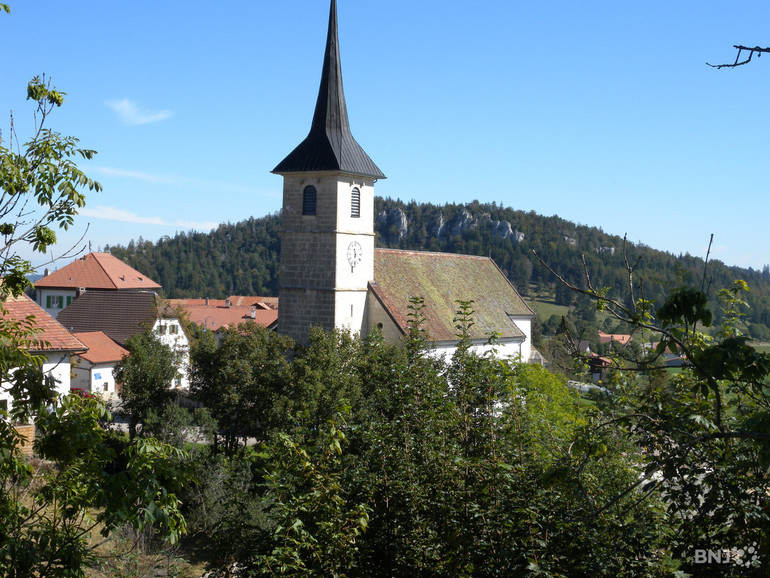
x=101, y=266
x=440, y=253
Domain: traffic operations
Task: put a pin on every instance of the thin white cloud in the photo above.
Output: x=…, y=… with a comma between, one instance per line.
x=130, y=113
x=116, y=214
x=183, y=181
x=112, y=172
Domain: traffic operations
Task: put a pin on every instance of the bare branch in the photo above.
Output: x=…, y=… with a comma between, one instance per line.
x=738, y=62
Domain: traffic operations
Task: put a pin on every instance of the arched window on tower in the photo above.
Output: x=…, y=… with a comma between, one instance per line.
x=309, y=200
x=355, y=203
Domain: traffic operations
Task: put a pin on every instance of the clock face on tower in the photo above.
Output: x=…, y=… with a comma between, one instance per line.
x=355, y=253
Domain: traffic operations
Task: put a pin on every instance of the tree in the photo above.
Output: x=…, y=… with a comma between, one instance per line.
x=705, y=430
x=146, y=376
x=242, y=381
x=40, y=188
x=759, y=51
x=48, y=511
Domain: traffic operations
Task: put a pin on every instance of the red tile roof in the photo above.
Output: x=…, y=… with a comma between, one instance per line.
x=619, y=337
x=98, y=271
x=214, y=314
x=248, y=301
x=101, y=349
x=53, y=337
x=441, y=279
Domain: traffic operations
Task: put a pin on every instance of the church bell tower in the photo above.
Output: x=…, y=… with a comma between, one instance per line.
x=327, y=242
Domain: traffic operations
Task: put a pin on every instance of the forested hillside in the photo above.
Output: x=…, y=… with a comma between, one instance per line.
x=242, y=258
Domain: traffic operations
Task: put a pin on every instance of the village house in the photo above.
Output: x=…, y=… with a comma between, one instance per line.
x=332, y=276
x=94, y=271
x=55, y=345
x=122, y=314
x=92, y=369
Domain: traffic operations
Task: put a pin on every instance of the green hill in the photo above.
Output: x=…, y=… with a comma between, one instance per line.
x=242, y=258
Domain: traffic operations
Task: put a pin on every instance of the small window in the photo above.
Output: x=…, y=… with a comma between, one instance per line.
x=309, y=200
x=172, y=329
x=355, y=203
x=54, y=302
x=161, y=329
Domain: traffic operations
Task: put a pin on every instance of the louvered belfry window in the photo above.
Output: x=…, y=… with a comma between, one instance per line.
x=309, y=196
x=355, y=203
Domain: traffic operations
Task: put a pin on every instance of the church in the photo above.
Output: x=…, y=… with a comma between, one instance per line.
x=332, y=276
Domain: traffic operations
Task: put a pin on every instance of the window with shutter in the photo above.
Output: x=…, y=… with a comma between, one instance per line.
x=309, y=200
x=355, y=203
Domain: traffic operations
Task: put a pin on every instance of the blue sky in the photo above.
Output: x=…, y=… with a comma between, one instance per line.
x=601, y=112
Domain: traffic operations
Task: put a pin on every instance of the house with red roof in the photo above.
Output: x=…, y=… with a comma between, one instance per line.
x=92, y=369
x=94, y=271
x=121, y=314
x=54, y=344
x=619, y=338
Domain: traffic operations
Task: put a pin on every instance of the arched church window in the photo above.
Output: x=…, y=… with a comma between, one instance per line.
x=309, y=200
x=355, y=203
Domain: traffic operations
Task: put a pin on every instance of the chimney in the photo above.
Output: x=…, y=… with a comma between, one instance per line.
x=227, y=303
x=207, y=301
x=46, y=272
x=253, y=312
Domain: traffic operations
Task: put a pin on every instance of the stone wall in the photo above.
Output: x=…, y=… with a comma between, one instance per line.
x=27, y=433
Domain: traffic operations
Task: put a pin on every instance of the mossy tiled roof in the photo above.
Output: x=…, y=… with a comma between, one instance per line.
x=441, y=279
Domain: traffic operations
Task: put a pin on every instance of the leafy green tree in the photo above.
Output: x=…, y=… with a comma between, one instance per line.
x=243, y=381
x=704, y=431
x=316, y=525
x=48, y=512
x=145, y=376
x=41, y=188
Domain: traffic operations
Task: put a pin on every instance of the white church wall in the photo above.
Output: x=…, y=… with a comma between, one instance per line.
x=504, y=349
x=524, y=322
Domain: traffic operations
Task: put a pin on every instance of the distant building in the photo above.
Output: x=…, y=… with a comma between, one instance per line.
x=619, y=338
x=332, y=276
x=216, y=315
x=94, y=271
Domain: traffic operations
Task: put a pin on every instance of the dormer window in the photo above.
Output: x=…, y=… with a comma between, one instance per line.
x=309, y=200
x=355, y=203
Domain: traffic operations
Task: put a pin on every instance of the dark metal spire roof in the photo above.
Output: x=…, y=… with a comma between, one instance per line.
x=330, y=145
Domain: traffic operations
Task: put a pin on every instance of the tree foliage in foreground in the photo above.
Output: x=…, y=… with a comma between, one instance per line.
x=704, y=428
x=146, y=376
x=393, y=462
x=413, y=465
x=81, y=484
